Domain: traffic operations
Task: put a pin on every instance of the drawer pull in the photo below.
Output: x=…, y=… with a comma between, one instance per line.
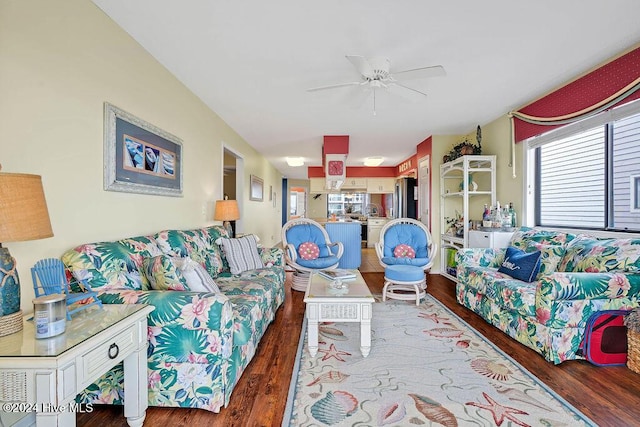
x=113, y=351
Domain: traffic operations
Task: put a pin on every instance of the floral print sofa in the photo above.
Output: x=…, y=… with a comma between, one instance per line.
x=579, y=275
x=199, y=342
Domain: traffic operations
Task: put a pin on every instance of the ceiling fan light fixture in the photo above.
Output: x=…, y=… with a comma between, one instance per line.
x=295, y=161
x=373, y=161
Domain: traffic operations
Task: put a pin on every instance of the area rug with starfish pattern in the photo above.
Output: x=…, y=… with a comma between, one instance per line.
x=426, y=367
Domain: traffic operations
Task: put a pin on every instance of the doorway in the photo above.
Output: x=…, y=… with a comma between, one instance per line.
x=424, y=191
x=233, y=181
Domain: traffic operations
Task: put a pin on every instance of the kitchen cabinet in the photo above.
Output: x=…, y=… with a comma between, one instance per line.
x=355, y=184
x=317, y=185
x=381, y=185
x=374, y=226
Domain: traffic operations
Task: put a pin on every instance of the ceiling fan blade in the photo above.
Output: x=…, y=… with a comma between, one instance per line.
x=314, y=89
x=357, y=97
x=414, y=91
x=420, y=73
x=362, y=65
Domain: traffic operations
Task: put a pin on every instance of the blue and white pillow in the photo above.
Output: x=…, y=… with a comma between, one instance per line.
x=242, y=253
x=521, y=265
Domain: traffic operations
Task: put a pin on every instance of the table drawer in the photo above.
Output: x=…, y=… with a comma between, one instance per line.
x=109, y=353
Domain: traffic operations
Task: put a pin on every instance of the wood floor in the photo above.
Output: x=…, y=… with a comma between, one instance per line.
x=610, y=396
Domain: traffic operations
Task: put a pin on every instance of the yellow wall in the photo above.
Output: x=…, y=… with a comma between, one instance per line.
x=60, y=61
x=496, y=139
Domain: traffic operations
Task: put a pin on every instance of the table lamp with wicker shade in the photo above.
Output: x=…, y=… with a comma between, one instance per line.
x=226, y=211
x=23, y=216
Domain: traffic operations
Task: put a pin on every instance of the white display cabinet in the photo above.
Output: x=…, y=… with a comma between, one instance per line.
x=463, y=180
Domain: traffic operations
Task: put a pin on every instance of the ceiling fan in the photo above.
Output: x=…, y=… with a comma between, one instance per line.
x=375, y=74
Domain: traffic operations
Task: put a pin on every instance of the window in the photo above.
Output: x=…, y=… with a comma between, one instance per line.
x=346, y=203
x=587, y=174
x=634, y=190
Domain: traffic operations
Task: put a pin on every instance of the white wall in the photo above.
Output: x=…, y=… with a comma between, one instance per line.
x=60, y=61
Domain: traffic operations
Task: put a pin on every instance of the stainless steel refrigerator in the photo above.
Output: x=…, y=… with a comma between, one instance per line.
x=405, y=198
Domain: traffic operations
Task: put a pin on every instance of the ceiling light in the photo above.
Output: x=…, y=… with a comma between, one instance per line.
x=295, y=161
x=373, y=161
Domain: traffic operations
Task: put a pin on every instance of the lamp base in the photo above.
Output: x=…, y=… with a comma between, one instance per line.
x=229, y=228
x=11, y=323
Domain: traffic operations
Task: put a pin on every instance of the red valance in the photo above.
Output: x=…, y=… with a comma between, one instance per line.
x=615, y=83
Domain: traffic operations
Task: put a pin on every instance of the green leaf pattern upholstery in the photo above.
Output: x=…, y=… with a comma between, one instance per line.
x=580, y=275
x=199, y=343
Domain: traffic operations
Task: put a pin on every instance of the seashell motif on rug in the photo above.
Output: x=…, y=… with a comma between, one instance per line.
x=488, y=368
x=334, y=407
x=426, y=367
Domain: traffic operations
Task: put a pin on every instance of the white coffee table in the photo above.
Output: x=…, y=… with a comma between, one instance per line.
x=325, y=304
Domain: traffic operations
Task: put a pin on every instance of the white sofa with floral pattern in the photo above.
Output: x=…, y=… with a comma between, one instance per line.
x=579, y=275
x=199, y=342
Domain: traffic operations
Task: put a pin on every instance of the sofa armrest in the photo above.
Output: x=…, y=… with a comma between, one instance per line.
x=273, y=256
x=567, y=299
x=480, y=257
x=185, y=326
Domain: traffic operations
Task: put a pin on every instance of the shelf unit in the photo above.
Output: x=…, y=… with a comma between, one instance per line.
x=453, y=175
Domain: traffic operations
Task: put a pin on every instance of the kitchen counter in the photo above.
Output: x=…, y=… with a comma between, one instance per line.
x=350, y=234
x=324, y=221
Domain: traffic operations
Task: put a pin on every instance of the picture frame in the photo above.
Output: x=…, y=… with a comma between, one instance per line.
x=140, y=157
x=270, y=193
x=256, y=190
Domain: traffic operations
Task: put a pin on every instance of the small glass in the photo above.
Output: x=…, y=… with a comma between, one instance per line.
x=338, y=287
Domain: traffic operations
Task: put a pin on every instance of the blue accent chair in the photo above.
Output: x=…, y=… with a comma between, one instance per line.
x=407, y=282
x=301, y=230
x=49, y=278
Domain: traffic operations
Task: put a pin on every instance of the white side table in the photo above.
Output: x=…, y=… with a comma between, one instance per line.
x=42, y=377
x=328, y=305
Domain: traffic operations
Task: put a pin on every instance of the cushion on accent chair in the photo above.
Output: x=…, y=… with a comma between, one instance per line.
x=404, y=251
x=308, y=251
x=521, y=265
x=242, y=253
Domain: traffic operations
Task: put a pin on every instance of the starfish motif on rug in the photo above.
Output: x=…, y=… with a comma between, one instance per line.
x=434, y=318
x=500, y=412
x=333, y=352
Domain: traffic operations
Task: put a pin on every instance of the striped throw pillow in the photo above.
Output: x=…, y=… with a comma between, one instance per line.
x=242, y=253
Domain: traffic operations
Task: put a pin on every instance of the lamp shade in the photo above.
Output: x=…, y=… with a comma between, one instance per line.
x=226, y=210
x=23, y=208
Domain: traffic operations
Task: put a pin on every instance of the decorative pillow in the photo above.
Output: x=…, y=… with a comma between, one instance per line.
x=308, y=251
x=196, y=276
x=163, y=274
x=521, y=265
x=550, y=258
x=242, y=253
x=404, y=251
x=524, y=235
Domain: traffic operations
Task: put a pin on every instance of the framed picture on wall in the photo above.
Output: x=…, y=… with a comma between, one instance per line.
x=256, y=190
x=140, y=157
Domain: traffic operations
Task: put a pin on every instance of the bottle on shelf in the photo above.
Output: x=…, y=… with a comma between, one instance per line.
x=514, y=221
x=506, y=217
x=496, y=216
x=486, y=217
